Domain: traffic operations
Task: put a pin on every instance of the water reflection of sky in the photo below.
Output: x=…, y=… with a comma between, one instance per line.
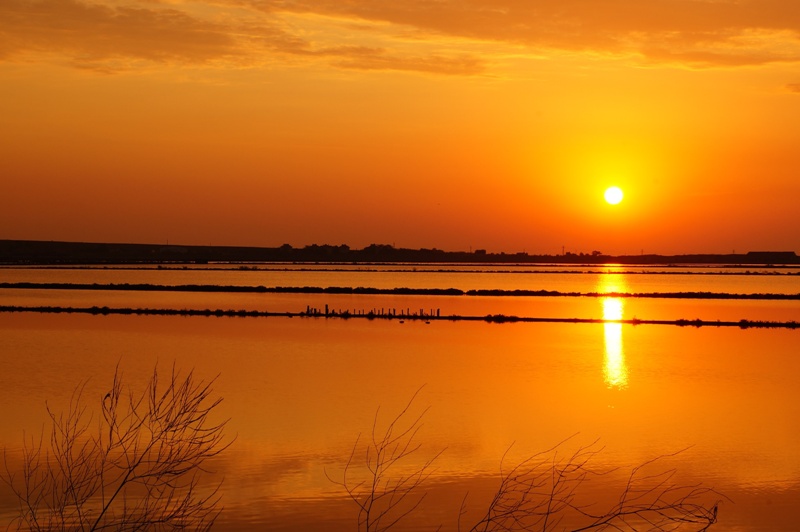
x=565, y=279
x=615, y=370
x=298, y=393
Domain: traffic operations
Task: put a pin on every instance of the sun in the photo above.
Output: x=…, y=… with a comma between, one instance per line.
x=613, y=195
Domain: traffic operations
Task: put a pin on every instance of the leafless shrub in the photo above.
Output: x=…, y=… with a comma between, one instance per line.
x=137, y=467
x=383, y=498
x=534, y=494
x=542, y=492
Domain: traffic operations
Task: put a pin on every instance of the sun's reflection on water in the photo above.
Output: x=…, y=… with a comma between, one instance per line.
x=615, y=370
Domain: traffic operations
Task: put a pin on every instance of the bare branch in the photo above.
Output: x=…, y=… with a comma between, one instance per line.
x=384, y=493
x=540, y=493
x=140, y=469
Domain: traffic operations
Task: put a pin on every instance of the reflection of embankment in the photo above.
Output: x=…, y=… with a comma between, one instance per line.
x=146, y=287
x=434, y=315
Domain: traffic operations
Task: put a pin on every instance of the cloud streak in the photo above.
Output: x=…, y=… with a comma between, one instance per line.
x=694, y=32
x=94, y=32
x=96, y=35
x=443, y=36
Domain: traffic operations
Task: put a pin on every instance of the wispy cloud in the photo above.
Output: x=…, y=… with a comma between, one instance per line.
x=103, y=36
x=380, y=60
x=93, y=32
x=442, y=36
x=696, y=32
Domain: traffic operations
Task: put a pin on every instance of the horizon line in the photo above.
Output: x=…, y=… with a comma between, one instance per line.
x=385, y=246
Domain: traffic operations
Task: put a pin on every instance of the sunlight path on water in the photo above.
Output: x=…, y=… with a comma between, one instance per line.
x=615, y=370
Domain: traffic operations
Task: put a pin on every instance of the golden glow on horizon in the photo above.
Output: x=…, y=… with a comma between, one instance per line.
x=613, y=195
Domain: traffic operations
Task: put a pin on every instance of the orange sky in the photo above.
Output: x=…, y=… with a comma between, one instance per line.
x=492, y=124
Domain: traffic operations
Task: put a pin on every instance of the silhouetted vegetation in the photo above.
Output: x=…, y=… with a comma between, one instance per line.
x=382, y=496
x=390, y=314
x=360, y=290
x=41, y=252
x=541, y=492
x=139, y=468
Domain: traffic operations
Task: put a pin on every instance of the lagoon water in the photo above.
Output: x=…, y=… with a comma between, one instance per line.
x=299, y=391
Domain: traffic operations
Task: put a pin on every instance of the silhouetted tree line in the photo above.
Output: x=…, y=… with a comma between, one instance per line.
x=41, y=252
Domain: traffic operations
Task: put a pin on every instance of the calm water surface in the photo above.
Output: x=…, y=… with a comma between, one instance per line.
x=471, y=277
x=562, y=279
x=299, y=391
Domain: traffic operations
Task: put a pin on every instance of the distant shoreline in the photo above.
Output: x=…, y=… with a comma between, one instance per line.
x=427, y=318
x=34, y=252
x=455, y=292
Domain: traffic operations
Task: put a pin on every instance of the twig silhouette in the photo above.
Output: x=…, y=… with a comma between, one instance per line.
x=384, y=498
x=140, y=469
